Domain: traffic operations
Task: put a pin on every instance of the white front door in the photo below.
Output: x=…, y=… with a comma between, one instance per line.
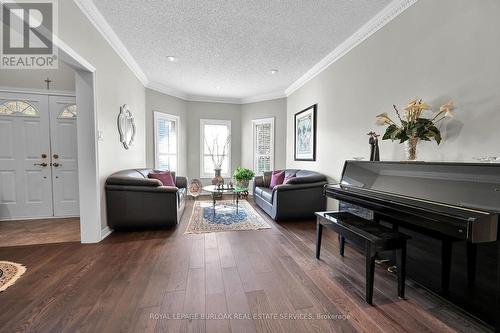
x=25, y=173
x=38, y=156
x=64, y=155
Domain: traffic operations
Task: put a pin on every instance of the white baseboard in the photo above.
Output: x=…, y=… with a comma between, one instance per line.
x=31, y=218
x=105, y=232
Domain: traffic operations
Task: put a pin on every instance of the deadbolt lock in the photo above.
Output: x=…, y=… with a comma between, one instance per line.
x=56, y=156
x=44, y=155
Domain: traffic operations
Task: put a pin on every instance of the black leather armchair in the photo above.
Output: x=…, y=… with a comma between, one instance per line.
x=135, y=201
x=299, y=198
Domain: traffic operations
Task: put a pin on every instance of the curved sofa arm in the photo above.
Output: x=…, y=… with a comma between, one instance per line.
x=158, y=189
x=291, y=187
x=181, y=182
x=131, y=181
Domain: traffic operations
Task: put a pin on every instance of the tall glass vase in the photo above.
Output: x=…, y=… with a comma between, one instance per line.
x=411, y=148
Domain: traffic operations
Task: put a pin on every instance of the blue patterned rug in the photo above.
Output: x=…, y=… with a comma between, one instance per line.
x=226, y=217
x=224, y=214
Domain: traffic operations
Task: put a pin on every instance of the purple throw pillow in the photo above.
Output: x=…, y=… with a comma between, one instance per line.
x=164, y=177
x=288, y=177
x=277, y=178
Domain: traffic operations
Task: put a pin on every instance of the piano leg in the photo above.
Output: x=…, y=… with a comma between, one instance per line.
x=319, y=234
x=370, y=272
x=401, y=263
x=341, y=245
x=394, y=261
x=446, y=247
x=471, y=263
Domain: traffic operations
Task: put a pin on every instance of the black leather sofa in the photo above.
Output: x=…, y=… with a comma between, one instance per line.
x=135, y=201
x=299, y=198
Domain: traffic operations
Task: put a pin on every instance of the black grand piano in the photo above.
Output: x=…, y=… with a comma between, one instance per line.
x=451, y=210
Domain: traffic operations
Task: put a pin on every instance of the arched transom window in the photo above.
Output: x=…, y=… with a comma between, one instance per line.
x=68, y=112
x=18, y=108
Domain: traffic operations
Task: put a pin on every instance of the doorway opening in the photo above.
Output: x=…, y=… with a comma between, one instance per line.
x=52, y=148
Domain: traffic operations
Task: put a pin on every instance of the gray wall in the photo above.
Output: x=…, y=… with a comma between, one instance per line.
x=115, y=85
x=156, y=101
x=268, y=109
x=62, y=78
x=438, y=50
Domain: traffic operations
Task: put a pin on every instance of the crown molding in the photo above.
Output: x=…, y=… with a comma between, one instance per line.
x=263, y=97
x=213, y=99
x=99, y=22
x=393, y=10
x=161, y=88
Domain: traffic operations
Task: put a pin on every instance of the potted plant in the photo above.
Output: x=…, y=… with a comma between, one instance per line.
x=243, y=176
x=413, y=127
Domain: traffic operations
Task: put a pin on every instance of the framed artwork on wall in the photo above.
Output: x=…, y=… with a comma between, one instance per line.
x=305, y=134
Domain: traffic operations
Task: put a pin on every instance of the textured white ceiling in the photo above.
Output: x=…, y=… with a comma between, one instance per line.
x=232, y=45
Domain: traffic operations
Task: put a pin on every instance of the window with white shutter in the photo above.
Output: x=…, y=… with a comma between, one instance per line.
x=263, y=149
x=166, y=138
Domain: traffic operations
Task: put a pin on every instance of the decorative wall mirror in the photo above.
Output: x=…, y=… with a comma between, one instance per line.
x=126, y=126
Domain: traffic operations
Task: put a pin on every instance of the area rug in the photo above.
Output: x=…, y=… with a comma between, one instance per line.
x=226, y=217
x=9, y=273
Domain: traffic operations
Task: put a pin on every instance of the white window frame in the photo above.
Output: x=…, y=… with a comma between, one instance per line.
x=158, y=115
x=204, y=122
x=254, y=139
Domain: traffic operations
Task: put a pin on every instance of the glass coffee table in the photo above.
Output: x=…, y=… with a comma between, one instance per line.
x=217, y=192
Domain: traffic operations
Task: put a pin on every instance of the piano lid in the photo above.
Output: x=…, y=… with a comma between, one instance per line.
x=470, y=185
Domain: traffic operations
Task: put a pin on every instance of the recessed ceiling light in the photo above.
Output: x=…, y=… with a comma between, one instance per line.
x=172, y=58
x=273, y=71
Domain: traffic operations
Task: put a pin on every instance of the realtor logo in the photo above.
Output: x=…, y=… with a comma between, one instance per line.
x=27, y=31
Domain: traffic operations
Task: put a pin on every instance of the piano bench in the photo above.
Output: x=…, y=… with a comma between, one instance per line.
x=370, y=236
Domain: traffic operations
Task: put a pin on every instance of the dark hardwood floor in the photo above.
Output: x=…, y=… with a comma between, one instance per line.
x=44, y=231
x=160, y=281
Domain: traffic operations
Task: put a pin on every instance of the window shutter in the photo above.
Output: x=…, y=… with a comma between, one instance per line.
x=166, y=141
x=263, y=146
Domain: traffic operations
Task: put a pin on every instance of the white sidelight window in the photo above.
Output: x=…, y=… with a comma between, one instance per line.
x=166, y=131
x=215, y=147
x=263, y=145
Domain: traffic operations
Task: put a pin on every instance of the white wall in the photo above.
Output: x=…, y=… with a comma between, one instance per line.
x=438, y=50
x=268, y=109
x=115, y=85
x=156, y=101
x=62, y=78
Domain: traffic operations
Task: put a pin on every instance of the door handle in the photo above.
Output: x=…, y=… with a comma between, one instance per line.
x=56, y=165
x=41, y=164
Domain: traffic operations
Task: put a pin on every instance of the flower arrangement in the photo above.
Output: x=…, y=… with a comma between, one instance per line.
x=413, y=127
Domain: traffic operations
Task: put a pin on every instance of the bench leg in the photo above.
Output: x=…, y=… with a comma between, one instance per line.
x=319, y=234
x=341, y=245
x=370, y=272
x=401, y=263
